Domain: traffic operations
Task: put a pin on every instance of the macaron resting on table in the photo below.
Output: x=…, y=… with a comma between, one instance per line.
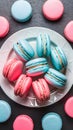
x=68, y=31
x=21, y=10
x=52, y=121
x=5, y=111
x=53, y=9
x=68, y=107
x=23, y=122
x=4, y=26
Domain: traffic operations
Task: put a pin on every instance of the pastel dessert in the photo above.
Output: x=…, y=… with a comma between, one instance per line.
x=21, y=10
x=43, y=45
x=41, y=89
x=23, y=122
x=55, y=78
x=13, y=69
x=5, y=111
x=24, y=50
x=53, y=9
x=22, y=86
x=68, y=31
x=52, y=121
x=68, y=107
x=4, y=26
x=58, y=58
x=36, y=67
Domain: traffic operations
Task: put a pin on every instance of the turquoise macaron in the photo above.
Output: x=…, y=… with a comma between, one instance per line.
x=24, y=50
x=5, y=111
x=58, y=58
x=43, y=45
x=21, y=10
x=36, y=67
x=55, y=78
x=52, y=121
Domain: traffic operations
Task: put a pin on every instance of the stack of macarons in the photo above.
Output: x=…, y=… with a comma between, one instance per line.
x=35, y=67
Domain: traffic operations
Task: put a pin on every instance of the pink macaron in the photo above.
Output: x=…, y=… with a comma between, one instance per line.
x=53, y=9
x=23, y=122
x=69, y=107
x=4, y=26
x=41, y=89
x=68, y=31
x=22, y=85
x=13, y=69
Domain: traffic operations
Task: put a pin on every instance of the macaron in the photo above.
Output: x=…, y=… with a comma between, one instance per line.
x=58, y=58
x=23, y=122
x=68, y=31
x=53, y=9
x=21, y=10
x=22, y=85
x=12, y=69
x=24, y=50
x=52, y=121
x=41, y=89
x=55, y=78
x=5, y=111
x=4, y=26
x=68, y=107
x=36, y=67
x=43, y=45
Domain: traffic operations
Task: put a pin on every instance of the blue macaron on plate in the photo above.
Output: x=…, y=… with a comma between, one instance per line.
x=30, y=35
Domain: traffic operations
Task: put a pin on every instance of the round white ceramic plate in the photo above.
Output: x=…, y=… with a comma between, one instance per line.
x=7, y=52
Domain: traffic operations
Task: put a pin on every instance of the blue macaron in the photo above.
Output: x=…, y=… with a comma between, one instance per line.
x=36, y=67
x=52, y=121
x=24, y=50
x=58, y=58
x=21, y=10
x=43, y=45
x=55, y=78
x=5, y=111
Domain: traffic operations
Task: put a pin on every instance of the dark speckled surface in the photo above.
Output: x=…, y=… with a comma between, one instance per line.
x=37, y=20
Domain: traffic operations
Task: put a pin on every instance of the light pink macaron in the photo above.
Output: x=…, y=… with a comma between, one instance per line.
x=69, y=107
x=41, y=89
x=53, y=9
x=13, y=69
x=22, y=86
x=68, y=31
x=23, y=122
x=4, y=26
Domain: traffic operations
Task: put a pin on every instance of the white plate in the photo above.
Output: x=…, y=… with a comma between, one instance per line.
x=7, y=52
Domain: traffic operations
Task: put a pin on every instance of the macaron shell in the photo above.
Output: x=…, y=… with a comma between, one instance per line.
x=5, y=111
x=21, y=10
x=52, y=121
x=69, y=107
x=53, y=9
x=68, y=31
x=23, y=122
x=4, y=26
